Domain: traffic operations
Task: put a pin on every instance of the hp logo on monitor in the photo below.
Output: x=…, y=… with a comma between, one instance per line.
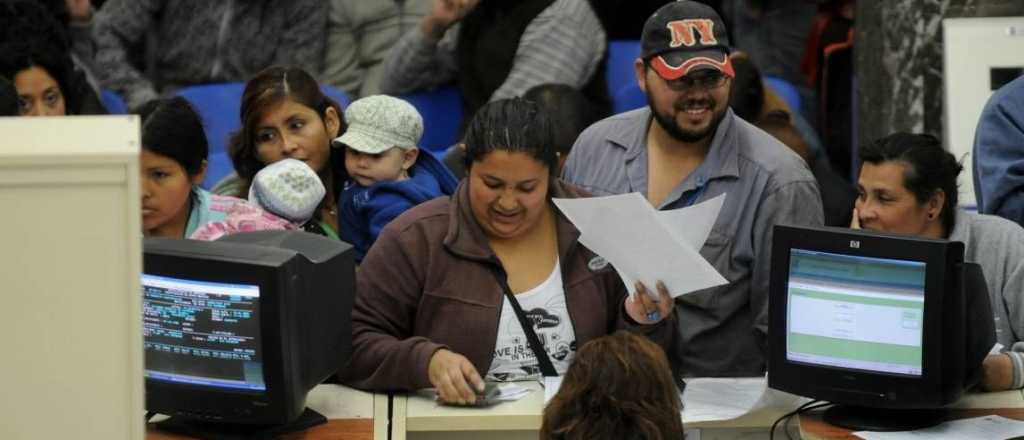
x=855, y=244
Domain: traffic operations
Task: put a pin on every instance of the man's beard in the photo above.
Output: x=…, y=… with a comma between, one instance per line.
x=668, y=121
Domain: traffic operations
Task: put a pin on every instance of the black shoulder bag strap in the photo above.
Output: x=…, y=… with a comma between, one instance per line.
x=547, y=369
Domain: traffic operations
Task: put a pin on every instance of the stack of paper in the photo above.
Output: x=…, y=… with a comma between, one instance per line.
x=988, y=427
x=648, y=245
x=716, y=399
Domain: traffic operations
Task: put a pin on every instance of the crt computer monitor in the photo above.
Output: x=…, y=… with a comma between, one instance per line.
x=890, y=328
x=238, y=330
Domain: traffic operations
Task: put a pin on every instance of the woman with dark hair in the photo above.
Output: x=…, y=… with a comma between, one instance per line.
x=907, y=185
x=619, y=387
x=34, y=57
x=171, y=165
x=285, y=115
x=442, y=293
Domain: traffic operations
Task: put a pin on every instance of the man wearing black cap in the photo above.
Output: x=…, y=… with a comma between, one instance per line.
x=686, y=147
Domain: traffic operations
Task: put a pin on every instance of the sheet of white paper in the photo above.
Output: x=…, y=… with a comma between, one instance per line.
x=987, y=427
x=638, y=242
x=551, y=386
x=996, y=349
x=511, y=392
x=710, y=399
x=692, y=224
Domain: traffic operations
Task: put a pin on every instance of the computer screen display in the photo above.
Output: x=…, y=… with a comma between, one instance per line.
x=855, y=312
x=202, y=333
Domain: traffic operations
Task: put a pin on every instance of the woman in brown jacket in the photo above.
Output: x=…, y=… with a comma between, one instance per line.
x=433, y=307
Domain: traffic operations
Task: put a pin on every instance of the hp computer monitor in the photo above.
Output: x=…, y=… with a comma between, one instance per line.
x=880, y=324
x=237, y=331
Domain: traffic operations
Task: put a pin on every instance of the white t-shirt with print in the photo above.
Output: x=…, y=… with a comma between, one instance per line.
x=544, y=305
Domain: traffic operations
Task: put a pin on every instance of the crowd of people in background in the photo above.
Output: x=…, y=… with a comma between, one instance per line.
x=537, y=126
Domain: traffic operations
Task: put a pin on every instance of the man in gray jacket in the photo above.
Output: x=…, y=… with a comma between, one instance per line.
x=686, y=147
x=184, y=42
x=360, y=34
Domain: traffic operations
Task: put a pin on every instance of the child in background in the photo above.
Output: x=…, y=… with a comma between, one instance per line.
x=387, y=175
x=283, y=195
x=171, y=166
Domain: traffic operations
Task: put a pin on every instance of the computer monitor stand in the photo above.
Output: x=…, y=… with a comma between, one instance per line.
x=859, y=418
x=222, y=431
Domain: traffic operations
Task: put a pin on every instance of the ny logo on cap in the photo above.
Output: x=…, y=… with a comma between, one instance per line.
x=682, y=32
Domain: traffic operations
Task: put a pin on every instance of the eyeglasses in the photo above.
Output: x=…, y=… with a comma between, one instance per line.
x=706, y=80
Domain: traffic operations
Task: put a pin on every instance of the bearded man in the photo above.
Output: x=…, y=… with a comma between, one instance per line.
x=685, y=147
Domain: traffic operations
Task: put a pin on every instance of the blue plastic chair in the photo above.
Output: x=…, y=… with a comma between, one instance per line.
x=442, y=117
x=219, y=105
x=786, y=90
x=113, y=102
x=338, y=96
x=619, y=65
x=629, y=97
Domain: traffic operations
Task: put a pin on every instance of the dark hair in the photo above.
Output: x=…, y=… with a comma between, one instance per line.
x=513, y=125
x=8, y=99
x=747, y=95
x=30, y=36
x=268, y=88
x=618, y=387
x=570, y=112
x=172, y=128
x=930, y=168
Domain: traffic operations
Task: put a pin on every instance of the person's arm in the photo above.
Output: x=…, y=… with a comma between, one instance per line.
x=302, y=42
x=556, y=48
x=341, y=58
x=1005, y=371
x=999, y=157
x=80, y=31
x=385, y=354
x=119, y=25
x=425, y=58
x=795, y=203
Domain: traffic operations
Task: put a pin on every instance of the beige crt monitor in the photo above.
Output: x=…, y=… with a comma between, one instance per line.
x=70, y=259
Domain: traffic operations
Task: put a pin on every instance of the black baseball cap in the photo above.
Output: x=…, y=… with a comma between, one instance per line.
x=683, y=36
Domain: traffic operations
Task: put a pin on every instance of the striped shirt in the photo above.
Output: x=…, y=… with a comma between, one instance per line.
x=562, y=45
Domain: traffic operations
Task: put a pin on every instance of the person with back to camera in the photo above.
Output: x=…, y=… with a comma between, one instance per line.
x=285, y=115
x=999, y=154
x=619, y=387
x=436, y=294
x=387, y=174
x=907, y=185
x=171, y=165
x=687, y=147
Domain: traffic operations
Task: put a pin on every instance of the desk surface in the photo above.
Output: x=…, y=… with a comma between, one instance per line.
x=1008, y=404
x=351, y=414
x=422, y=413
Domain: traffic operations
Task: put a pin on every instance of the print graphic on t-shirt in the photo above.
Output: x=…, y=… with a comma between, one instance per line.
x=545, y=308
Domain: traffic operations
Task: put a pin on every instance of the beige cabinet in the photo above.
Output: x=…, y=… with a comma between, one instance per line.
x=70, y=259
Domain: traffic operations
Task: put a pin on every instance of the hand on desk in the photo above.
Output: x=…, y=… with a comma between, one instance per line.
x=997, y=372
x=455, y=377
x=643, y=309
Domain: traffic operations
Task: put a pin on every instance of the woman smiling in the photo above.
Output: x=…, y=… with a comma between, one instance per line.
x=443, y=294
